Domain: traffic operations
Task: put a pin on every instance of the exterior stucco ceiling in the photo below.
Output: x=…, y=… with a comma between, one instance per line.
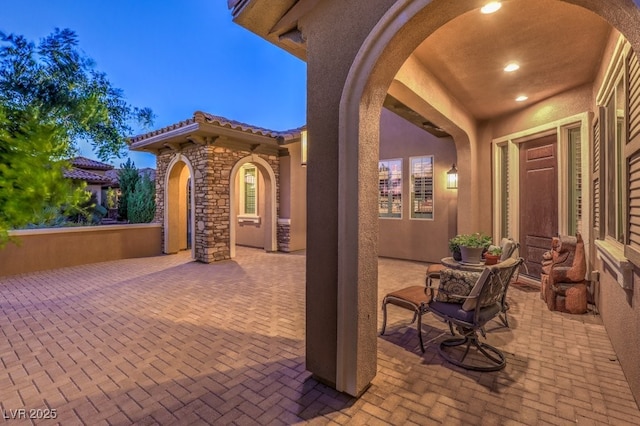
x=558, y=46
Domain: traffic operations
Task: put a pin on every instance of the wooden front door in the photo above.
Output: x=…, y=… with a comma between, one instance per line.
x=538, y=200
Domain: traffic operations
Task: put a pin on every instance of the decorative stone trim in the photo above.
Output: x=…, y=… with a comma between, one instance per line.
x=284, y=235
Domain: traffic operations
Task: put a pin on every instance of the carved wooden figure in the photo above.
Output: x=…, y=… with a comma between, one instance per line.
x=563, y=286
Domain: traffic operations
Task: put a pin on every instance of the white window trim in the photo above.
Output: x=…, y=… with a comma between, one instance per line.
x=614, y=73
x=412, y=190
x=610, y=250
x=243, y=216
x=402, y=192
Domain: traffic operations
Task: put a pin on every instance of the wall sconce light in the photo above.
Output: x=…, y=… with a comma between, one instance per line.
x=452, y=178
x=304, y=141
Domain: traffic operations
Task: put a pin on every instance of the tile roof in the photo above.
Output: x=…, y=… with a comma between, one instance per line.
x=216, y=120
x=113, y=176
x=87, y=163
x=115, y=180
x=89, y=177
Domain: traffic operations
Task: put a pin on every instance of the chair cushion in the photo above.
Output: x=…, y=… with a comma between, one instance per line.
x=415, y=294
x=454, y=282
x=455, y=311
x=470, y=304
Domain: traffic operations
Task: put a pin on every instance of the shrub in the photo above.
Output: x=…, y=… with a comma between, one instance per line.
x=142, y=201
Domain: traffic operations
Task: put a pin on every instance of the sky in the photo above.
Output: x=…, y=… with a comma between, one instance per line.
x=175, y=57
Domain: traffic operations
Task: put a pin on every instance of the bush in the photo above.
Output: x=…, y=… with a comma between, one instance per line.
x=128, y=177
x=142, y=201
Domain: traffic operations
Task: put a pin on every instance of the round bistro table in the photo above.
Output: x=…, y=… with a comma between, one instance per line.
x=450, y=262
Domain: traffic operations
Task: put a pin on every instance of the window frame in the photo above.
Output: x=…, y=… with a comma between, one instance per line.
x=243, y=191
x=614, y=139
x=398, y=185
x=412, y=188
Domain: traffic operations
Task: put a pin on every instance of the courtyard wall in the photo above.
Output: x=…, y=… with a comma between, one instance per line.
x=51, y=248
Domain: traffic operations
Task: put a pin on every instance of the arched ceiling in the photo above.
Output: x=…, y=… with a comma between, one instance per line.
x=557, y=45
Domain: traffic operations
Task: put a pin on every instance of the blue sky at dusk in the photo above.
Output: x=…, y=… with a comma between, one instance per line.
x=176, y=57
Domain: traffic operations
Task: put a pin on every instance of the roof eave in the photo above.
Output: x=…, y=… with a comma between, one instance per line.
x=158, y=141
x=264, y=18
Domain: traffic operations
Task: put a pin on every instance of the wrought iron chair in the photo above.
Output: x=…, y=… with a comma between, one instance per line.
x=510, y=250
x=470, y=312
x=413, y=298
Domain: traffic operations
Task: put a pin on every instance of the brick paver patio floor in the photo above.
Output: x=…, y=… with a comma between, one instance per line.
x=167, y=341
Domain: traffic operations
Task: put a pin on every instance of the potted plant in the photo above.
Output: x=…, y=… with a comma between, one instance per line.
x=472, y=246
x=454, y=248
x=492, y=255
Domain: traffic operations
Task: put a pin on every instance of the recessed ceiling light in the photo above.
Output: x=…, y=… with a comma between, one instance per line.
x=491, y=7
x=522, y=98
x=511, y=66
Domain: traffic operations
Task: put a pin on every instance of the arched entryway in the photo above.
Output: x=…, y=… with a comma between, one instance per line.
x=404, y=26
x=179, y=206
x=267, y=219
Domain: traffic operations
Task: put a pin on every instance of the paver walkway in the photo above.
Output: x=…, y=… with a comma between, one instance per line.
x=167, y=341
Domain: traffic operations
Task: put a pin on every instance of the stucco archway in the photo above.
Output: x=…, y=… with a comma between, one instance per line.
x=404, y=26
x=270, y=236
x=178, y=181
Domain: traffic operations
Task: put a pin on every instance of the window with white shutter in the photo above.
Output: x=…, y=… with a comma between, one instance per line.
x=421, y=187
x=390, y=188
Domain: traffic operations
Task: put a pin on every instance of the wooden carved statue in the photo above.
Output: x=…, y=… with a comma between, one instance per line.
x=563, y=269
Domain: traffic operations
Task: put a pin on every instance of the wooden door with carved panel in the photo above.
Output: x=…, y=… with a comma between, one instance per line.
x=538, y=200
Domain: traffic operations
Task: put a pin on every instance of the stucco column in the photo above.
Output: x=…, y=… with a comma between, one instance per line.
x=341, y=231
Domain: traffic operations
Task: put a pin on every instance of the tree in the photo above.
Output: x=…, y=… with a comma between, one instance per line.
x=128, y=177
x=142, y=202
x=50, y=97
x=32, y=187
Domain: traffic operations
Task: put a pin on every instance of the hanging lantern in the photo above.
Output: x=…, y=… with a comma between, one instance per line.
x=452, y=178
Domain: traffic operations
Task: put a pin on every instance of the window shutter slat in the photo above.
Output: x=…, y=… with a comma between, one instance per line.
x=632, y=249
x=597, y=175
x=634, y=96
x=632, y=154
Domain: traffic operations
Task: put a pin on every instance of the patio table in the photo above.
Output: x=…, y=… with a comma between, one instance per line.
x=451, y=263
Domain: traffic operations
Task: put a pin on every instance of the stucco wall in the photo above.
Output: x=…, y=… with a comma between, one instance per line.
x=40, y=249
x=619, y=308
x=620, y=311
x=418, y=239
x=295, y=188
x=566, y=104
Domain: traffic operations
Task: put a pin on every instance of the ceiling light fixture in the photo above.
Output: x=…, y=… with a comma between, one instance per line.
x=522, y=98
x=491, y=7
x=511, y=67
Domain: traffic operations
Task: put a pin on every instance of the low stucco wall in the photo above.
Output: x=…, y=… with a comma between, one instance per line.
x=620, y=311
x=40, y=249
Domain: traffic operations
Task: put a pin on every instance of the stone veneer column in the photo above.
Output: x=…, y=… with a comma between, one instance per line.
x=162, y=162
x=284, y=234
x=212, y=167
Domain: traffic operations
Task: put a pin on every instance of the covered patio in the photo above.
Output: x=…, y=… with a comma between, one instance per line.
x=171, y=341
